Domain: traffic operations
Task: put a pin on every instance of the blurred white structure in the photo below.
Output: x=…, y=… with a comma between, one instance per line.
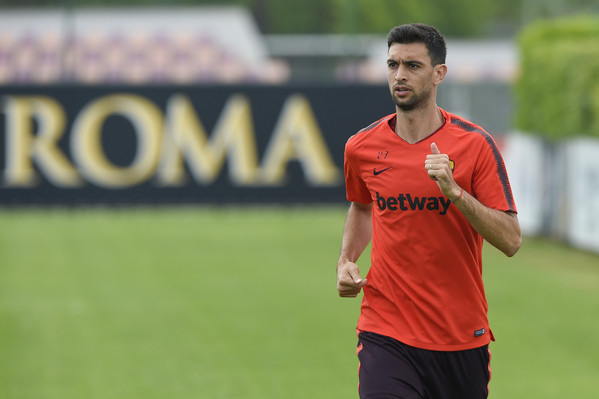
x=206, y=45
x=524, y=156
x=581, y=188
x=134, y=46
x=556, y=187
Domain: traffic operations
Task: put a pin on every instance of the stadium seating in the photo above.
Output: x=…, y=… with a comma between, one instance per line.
x=151, y=46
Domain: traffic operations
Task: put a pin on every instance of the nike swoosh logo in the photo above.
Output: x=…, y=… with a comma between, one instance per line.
x=378, y=172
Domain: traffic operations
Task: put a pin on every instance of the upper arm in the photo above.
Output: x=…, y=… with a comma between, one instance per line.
x=362, y=206
x=490, y=183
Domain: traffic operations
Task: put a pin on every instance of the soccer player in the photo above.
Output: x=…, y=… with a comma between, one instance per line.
x=426, y=186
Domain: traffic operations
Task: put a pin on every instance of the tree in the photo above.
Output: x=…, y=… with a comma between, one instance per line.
x=557, y=93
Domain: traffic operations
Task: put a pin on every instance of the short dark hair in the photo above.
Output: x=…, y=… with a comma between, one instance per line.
x=420, y=33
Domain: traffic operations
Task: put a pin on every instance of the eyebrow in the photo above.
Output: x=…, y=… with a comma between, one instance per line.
x=405, y=62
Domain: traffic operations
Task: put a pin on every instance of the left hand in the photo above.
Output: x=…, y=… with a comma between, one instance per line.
x=438, y=167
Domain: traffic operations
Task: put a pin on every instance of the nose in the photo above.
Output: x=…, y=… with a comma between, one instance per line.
x=400, y=73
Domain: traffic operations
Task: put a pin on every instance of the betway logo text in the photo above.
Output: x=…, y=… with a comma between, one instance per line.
x=405, y=202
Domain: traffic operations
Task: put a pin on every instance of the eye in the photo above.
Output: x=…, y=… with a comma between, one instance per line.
x=391, y=64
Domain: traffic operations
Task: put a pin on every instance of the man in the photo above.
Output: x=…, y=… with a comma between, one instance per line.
x=427, y=187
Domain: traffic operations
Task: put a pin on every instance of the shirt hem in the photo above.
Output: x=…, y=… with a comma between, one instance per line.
x=430, y=346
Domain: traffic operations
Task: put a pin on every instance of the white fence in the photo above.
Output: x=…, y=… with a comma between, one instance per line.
x=556, y=187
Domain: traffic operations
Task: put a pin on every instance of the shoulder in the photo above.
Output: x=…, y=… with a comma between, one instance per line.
x=463, y=125
x=469, y=130
x=366, y=132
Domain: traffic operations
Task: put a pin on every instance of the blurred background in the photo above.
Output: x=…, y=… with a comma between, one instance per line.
x=205, y=102
x=149, y=146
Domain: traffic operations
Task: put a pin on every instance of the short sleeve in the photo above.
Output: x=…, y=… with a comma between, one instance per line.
x=490, y=184
x=355, y=187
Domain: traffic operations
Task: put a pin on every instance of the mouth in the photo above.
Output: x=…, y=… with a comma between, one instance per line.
x=402, y=90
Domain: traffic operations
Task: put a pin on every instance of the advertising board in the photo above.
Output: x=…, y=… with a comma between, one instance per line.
x=178, y=144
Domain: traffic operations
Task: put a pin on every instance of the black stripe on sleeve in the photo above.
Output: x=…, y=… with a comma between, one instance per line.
x=501, y=171
x=372, y=125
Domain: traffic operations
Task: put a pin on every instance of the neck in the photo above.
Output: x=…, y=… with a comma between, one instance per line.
x=417, y=124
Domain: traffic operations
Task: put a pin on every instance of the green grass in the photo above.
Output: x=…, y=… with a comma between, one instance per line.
x=241, y=303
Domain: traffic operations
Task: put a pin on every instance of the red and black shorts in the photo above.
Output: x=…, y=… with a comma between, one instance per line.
x=390, y=369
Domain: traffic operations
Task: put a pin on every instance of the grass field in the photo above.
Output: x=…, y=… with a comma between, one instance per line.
x=241, y=303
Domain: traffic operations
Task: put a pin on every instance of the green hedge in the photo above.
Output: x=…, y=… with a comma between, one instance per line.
x=557, y=93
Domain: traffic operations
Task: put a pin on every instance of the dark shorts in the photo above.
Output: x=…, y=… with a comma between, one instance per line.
x=390, y=369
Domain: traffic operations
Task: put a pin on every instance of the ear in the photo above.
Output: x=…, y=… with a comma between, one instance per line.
x=439, y=72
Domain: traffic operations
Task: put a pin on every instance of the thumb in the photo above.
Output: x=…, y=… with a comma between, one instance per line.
x=435, y=149
x=355, y=275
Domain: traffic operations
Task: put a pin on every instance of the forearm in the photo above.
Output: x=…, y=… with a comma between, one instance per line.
x=357, y=232
x=500, y=229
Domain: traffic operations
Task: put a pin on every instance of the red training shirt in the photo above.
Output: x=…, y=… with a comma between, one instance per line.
x=425, y=284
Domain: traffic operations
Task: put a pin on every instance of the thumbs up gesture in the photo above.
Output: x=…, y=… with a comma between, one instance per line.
x=438, y=167
x=433, y=163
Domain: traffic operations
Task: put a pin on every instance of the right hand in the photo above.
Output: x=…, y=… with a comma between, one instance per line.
x=349, y=282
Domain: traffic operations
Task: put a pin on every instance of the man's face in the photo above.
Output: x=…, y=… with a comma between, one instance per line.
x=411, y=75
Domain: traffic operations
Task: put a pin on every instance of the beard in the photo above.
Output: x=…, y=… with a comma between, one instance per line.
x=414, y=102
